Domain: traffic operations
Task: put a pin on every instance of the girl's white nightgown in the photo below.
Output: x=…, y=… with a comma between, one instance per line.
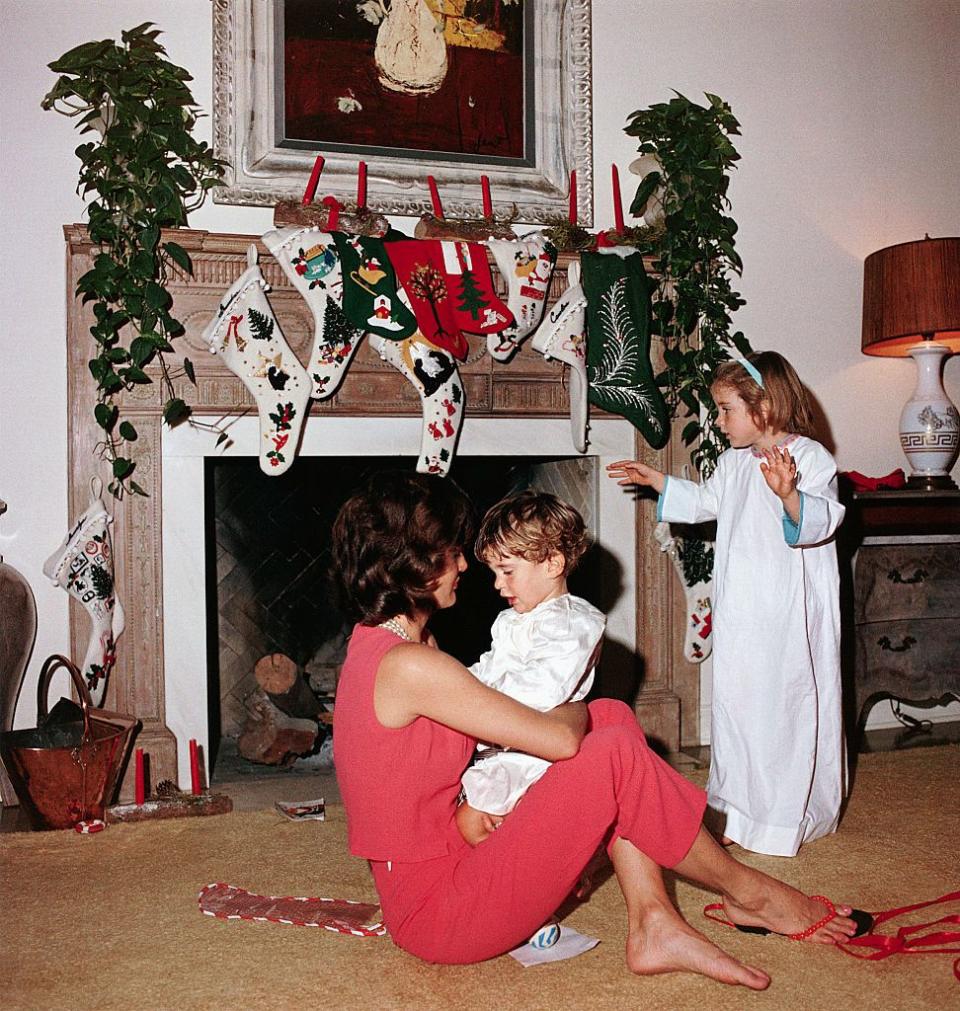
x=778, y=768
x=541, y=658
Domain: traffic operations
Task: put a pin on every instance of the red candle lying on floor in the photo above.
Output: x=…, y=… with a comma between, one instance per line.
x=140, y=792
x=194, y=768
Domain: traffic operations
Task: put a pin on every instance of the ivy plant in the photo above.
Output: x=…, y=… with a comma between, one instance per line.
x=146, y=172
x=695, y=255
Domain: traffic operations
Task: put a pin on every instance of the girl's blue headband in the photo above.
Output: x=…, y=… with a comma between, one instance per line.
x=752, y=370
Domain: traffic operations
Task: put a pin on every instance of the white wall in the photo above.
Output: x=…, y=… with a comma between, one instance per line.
x=850, y=123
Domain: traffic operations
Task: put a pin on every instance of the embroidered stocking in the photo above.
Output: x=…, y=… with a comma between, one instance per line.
x=247, y=336
x=420, y=268
x=309, y=259
x=83, y=566
x=434, y=375
x=370, y=299
x=618, y=349
x=526, y=265
x=563, y=336
x=470, y=283
x=693, y=561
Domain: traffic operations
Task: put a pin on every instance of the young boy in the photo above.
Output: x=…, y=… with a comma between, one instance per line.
x=544, y=645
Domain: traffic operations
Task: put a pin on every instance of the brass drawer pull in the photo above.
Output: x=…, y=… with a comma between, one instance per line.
x=918, y=577
x=908, y=641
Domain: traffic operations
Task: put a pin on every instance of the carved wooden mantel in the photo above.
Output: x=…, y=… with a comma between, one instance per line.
x=528, y=386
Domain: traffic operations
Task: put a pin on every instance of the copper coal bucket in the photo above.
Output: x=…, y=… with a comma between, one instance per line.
x=67, y=769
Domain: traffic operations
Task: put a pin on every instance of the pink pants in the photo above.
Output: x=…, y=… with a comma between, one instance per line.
x=476, y=903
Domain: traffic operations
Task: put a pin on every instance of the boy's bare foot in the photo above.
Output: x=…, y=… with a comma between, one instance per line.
x=666, y=943
x=784, y=910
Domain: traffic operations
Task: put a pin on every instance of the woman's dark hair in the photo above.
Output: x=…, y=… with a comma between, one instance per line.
x=393, y=538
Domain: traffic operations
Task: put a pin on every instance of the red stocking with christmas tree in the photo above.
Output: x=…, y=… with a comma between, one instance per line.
x=477, y=307
x=247, y=336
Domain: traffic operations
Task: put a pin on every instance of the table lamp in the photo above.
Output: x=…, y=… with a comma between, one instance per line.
x=911, y=306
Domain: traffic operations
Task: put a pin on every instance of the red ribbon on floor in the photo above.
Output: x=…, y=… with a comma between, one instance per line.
x=904, y=941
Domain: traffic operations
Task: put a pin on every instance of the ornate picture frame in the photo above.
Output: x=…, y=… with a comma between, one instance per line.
x=266, y=167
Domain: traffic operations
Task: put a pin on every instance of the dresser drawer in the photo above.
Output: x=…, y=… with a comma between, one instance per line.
x=916, y=659
x=895, y=581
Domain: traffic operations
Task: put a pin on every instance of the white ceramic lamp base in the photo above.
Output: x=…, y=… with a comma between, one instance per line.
x=929, y=423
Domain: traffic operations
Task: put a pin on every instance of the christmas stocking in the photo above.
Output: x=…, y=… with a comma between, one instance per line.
x=420, y=268
x=309, y=259
x=526, y=265
x=469, y=281
x=434, y=375
x=83, y=566
x=618, y=351
x=370, y=299
x=693, y=561
x=247, y=336
x=564, y=336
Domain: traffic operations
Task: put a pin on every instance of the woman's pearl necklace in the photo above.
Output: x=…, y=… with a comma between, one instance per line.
x=393, y=625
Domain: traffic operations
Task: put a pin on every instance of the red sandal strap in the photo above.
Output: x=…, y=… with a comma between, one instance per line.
x=822, y=922
x=716, y=919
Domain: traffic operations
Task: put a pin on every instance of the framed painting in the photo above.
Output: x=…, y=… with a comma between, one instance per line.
x=454, y=89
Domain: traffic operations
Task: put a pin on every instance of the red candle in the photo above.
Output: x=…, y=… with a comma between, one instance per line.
x=333, y=212
x=362, y=186
x=573, y=197
x=194, y=768
x=435, y=197
x=314, y=179
x=140, y=793
x=487, y=203
x=617, y=205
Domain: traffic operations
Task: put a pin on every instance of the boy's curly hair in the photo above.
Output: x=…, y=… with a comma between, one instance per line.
x=533, y=525
x=783, y=397
x=393, y=538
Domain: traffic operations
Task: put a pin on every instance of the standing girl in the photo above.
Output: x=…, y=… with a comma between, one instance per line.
x=777, y=771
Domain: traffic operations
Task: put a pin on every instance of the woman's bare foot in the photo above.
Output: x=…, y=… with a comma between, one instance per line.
x=725, y=840
x=784, y=910
x=666, y=943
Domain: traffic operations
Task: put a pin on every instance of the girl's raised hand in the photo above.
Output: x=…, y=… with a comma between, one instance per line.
x=779, y=471
x=635, y=472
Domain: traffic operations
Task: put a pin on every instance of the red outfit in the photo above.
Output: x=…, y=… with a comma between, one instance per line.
x=445, y=901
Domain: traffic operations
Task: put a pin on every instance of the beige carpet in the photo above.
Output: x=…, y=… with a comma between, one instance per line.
x=111, y=920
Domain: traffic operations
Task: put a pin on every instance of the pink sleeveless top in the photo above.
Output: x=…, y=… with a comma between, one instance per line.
x=399, y=787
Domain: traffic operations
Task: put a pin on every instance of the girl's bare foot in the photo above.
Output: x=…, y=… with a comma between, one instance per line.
x=666, y=943
x=784, y=910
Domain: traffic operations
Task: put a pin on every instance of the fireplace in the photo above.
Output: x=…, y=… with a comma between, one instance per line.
x=519, y=409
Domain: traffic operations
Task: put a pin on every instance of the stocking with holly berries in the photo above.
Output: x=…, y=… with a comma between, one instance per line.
x=310, y=260
x=83, y=566
x=433, y=373
x=246, y=335
x=693, y=561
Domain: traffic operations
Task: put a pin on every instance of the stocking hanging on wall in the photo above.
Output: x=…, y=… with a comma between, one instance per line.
x=618, y=348
x=693, y=562
x=433, y=373
x=476, y=305
x=247, y=336
x=83, y=566
x=526, y=265
x=310, y=260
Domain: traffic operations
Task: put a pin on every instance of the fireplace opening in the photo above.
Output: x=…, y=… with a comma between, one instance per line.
x=268, y=586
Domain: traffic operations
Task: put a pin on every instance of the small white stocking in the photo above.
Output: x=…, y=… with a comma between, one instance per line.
x=248, y=338
x=563, y=336
x=526, y=265
x=698, y=640
x=309, y=259
x=434, y=375
x=83, y=566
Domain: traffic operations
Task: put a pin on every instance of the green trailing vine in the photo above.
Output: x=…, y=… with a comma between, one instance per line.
x=147, y=173
x=695, y=255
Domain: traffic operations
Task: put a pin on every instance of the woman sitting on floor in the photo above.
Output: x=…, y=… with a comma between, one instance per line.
x=408, y=718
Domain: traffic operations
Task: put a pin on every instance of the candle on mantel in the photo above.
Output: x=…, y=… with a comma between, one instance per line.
x=435, y=198
x=617, y=204
x=362, y=186
x=333, y=212
x=311, y=189
x=487, y=202
x=195, y=788
x=573, y=197
x=140, y=791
